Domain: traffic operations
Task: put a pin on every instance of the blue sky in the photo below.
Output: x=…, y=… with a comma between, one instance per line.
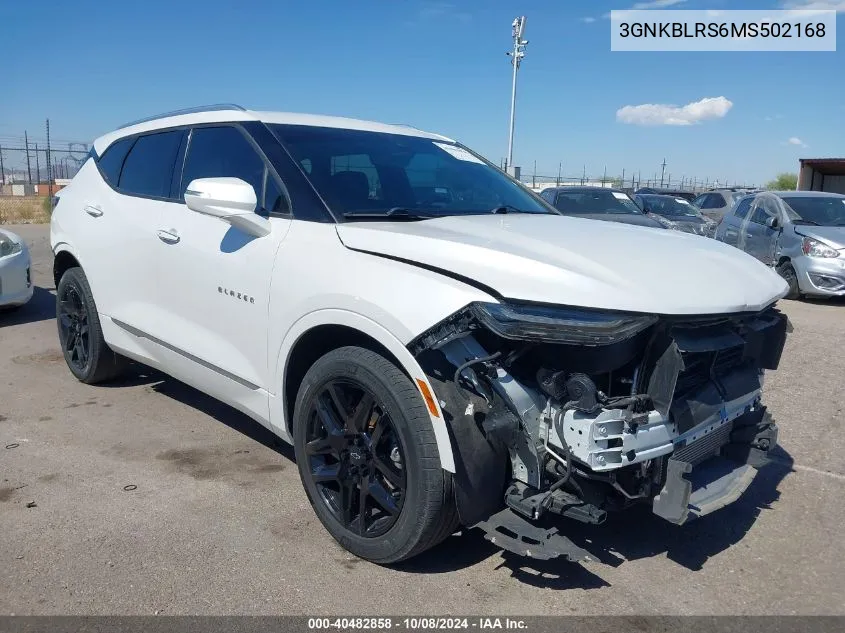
x=438, y=65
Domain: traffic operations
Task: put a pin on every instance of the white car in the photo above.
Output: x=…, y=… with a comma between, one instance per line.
x=440, y=346
x=15, y=274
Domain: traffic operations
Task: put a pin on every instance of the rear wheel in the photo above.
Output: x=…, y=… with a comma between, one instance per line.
x=86, y=353
x=786, y=271
x=368, y=458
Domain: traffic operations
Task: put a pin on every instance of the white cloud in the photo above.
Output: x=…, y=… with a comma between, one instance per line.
x=650, y=4
x=657, y=4
x=588, y=20
x=814, y=5
x=794, y=140
x=665, y=114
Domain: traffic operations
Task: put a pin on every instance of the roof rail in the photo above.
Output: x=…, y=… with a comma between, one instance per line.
x=209, y=108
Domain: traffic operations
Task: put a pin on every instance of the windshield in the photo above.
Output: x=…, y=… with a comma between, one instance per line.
x=670, y=207
x=822, y=211
x=375, y=174
x=588, y=202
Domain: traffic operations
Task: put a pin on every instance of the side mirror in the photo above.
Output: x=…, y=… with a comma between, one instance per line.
x=772, y=223
x=229, y=199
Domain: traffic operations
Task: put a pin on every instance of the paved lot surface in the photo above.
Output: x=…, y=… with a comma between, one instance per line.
x=219, y=523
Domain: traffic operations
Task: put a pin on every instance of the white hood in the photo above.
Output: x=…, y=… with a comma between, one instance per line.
x=577, y=262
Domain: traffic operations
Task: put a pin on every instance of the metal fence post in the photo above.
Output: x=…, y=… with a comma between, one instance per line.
x=49, y=167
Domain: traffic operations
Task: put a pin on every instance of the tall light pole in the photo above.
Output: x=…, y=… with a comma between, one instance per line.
x=516, y=56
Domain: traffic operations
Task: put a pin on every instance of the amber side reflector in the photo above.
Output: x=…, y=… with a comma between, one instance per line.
x=429, y=399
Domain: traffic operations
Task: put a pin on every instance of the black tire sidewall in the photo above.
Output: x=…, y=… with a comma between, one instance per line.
x=407, y=531
x=76, y=278
x=787, y=272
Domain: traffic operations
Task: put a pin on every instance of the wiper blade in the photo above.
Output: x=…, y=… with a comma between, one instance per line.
x=802, y=221
x=507, y=208
x=396, y=213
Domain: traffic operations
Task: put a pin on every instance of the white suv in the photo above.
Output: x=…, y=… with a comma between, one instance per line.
x=440, y=346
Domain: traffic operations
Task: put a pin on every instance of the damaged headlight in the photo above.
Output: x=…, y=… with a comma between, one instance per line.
x=560, y=325
x=8, y=246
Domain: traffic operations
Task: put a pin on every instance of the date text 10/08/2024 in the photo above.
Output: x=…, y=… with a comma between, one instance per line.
x=415, y=623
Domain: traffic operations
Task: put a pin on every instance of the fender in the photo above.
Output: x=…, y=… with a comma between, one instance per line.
x=384, y=337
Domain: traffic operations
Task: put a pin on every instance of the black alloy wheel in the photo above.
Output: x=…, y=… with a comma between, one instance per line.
x=355, y=458
x=74, y=330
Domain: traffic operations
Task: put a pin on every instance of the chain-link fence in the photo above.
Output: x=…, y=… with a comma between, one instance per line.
x=32, y=169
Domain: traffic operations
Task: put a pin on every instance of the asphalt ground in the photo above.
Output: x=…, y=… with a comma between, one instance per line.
x=215, y=520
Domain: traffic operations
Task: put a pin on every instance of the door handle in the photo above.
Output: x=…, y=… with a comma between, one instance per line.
x=749, y=235
x=93, y=210
x=168, y=237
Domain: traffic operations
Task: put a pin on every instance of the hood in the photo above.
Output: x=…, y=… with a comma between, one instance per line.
x=572, y=261
x=637, y=219
x=833, y=236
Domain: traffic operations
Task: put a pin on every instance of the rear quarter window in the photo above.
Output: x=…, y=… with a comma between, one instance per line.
x=111, y=161
x=742, y=208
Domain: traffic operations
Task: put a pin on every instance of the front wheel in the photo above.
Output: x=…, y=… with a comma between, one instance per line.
x=786, y=271
x=368, y=458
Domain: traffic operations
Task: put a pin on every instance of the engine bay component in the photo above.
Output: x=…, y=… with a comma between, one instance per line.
x=593, y=412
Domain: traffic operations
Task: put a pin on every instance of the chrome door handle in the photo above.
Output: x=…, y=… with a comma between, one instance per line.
x=168, y=237
x=749, y=235
x=93, y=210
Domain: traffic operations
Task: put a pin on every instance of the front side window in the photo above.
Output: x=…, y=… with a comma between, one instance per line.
x=598, y=201
x=375, y=173
x=148, y=169
x=224, y=152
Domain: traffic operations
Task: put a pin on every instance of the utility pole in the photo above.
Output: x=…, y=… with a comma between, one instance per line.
x=28, y=167
x=662, y=171
x=516, y=55
x=559, y=171
x=2, y=170
x=49, y=165
x=534, y=177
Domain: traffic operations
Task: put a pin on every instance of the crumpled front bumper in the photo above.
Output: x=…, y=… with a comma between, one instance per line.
x=698, y=483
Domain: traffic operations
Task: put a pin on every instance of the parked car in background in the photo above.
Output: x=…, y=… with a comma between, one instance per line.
x=598, y=203
x=676, y=213
x=800, y=233
x=714, y=204
x=471, y=358
x=677, y=193
x=15, y=276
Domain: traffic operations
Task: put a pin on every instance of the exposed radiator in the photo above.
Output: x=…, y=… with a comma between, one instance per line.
x=704, y=447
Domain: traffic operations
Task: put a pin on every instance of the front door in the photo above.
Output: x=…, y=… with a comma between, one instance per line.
x=214, y=278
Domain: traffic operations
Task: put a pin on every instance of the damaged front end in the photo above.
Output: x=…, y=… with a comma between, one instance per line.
x=576, y=413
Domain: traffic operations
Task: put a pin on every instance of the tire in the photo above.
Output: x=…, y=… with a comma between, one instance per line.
x=396, y=417
x=86, y=353
x=786, y=271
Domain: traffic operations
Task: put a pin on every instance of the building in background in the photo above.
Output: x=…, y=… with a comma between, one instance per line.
x=822, y=174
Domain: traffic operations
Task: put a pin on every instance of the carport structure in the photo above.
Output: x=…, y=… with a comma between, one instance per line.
x=822, y=174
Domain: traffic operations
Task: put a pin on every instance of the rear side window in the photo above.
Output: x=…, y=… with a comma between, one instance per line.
x=148, y=169
x=112, y=160
x=743, y=207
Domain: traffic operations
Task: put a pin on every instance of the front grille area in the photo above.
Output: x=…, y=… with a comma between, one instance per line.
x=705, y=446
x=700, y=367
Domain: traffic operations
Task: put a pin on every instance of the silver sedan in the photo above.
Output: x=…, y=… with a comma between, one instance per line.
x=800, y=233
x=15, y=276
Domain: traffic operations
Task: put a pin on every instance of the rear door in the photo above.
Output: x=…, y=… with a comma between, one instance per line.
x=760, y=240
x=730, y=229
x=121, y=257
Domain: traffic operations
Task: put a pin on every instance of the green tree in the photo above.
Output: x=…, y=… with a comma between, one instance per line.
x=783, y=182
